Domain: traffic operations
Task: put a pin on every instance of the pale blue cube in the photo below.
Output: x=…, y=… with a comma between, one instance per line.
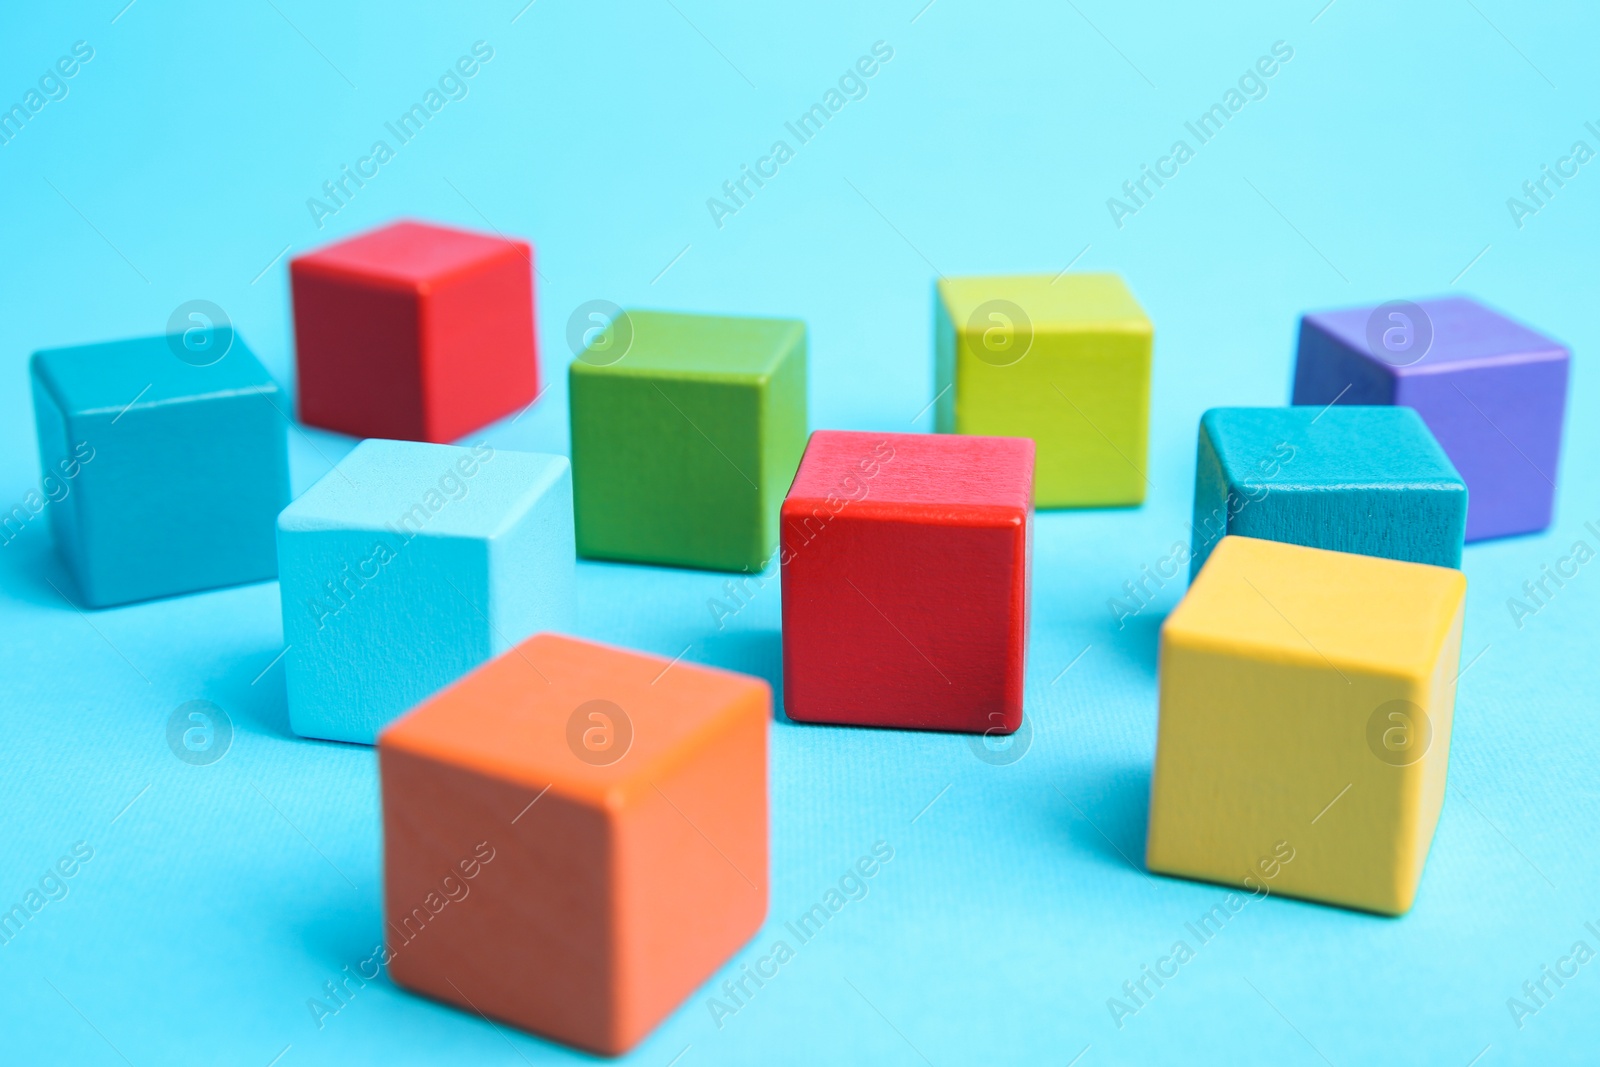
x=409, y=564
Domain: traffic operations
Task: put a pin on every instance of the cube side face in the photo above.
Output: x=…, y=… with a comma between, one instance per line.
x=377, y=622
x=1083, y=396
x=532, y=573
x=60, y=458
x=180, y=497
x=692, y=877
x=478, y=345
x=1501, y=427
x=358, y=354
x=1424, y=741
x=782, y=439
x=869, y=641
x=1213, y=504
x=1415, y=525
x=531, y=938
x=1327, y=370
x=665, y=469
x=944, y=366
x=1252, y=747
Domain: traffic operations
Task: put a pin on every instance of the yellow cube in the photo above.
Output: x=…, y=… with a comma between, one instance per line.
x=1306, y=702
x=1063, y=359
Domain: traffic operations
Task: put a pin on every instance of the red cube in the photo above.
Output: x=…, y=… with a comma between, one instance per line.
x=905, y=562
x=414, y=332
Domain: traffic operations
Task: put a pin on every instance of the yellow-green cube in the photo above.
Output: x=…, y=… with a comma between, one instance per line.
x=1063, y=359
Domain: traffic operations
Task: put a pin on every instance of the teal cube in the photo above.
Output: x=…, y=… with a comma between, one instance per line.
x=686, y=432
x=164, y=472
x=1369, y=480
x=409, y=564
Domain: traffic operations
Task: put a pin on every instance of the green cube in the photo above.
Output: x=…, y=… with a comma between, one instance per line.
x=686, y=432
x=1062, y=359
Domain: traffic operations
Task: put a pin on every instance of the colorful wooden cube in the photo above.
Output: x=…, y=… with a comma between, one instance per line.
x=414, y=331
x=686, y=430
x=1492, y=391
x=905, y=564
x=1062, y=359
x=168, y=472
x=575, y=837
x=1306, y=699
x=409, y=564
x=1353, y=479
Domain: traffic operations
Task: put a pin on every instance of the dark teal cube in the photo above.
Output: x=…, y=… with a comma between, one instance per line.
x=168, y=474
x=1369, y=480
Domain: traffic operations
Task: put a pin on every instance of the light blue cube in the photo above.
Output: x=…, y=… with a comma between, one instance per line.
x=409, y=564
x=165, y=464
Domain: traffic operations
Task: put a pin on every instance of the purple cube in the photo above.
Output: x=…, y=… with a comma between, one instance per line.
x=1491, y=390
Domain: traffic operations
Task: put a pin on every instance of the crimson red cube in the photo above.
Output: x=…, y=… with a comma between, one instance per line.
x=414, y=332
x=905, y=561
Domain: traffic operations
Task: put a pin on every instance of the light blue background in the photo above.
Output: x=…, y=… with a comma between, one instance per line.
x=1377, y=167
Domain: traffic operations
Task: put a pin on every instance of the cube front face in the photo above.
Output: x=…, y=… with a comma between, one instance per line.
x=1369, y=480
x=623, y=875
x=410, y=564
x=178, y=470
x=1492, y=391
x=414, y=332
x=682, y=449
x=1065, y=362
x=1315, y=774
x=905, y=567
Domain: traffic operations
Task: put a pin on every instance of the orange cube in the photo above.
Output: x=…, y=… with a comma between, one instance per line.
x=575, y=837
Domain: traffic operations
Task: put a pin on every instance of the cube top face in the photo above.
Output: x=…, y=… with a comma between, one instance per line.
x=409, y=255
x=1319, y=609
x=1459, y=333
x=592, y=722
x=703, y=347
x=1097, y=302
x=926, y=477
x=1341, y=447
x=146, y=372
x=412, y=487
